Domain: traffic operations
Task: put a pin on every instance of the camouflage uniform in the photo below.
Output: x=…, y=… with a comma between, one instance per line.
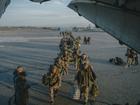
x=135, y=58
x=76, y=52
x=86, y=81
x=54, y=83
x=130, y=57
x=65, y=62
x=21, y=88
x=77, y=62
x=59, y=63
x=81, y=60
x=77, y=43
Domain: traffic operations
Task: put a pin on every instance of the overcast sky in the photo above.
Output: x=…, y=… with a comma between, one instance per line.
x=53, y=13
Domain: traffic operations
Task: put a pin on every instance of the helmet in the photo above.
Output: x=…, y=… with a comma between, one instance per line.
x=54, y=69
x=20, y=69
x=84, y=56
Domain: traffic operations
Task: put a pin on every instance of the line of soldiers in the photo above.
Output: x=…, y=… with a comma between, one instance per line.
x=70, y=54
x=60, y=67
x=65, y=33
x=132, y=57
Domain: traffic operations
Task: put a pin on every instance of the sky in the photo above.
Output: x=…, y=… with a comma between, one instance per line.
x=54, y=13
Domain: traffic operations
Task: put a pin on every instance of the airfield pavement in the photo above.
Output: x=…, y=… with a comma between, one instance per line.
x=36, y=49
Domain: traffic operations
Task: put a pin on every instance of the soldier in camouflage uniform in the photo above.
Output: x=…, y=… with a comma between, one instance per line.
x=81, y=60
x=86, y=81
x=76, y=52
x=65, y=61
x=59, y=63
x=135, y=58
x=130, y=57
x=54, y=83
x=21, y=87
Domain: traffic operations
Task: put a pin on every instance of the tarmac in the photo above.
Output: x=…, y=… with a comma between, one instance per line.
x=36, y=49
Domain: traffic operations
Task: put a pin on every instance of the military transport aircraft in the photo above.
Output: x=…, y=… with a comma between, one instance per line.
x=120, y=18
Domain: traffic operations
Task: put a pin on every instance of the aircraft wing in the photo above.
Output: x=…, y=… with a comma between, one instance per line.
x=5, y=3
x=3, y=6
x=120, y=18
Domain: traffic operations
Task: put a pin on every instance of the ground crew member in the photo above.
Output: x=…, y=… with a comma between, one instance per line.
x=21, y=88
x=86, y=82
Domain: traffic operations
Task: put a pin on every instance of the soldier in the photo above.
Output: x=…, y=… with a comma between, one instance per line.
x=54, y=83
x=88, y=40
x=84, y=58
x=17, y=71
x=64, y=49
x=135, y=58
x=81, y=60
x=85, y=40
x=76, y=51
x=21, y=88
x=59, y=63
x=77, y=44
x=86, y=82
x=78, y=62
x=62, y=44
x=65, y=62
x=130, y=57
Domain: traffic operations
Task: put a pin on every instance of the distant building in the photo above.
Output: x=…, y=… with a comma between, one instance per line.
x=89, y=29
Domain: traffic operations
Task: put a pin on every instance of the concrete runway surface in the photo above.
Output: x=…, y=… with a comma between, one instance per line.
x=36, y=49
